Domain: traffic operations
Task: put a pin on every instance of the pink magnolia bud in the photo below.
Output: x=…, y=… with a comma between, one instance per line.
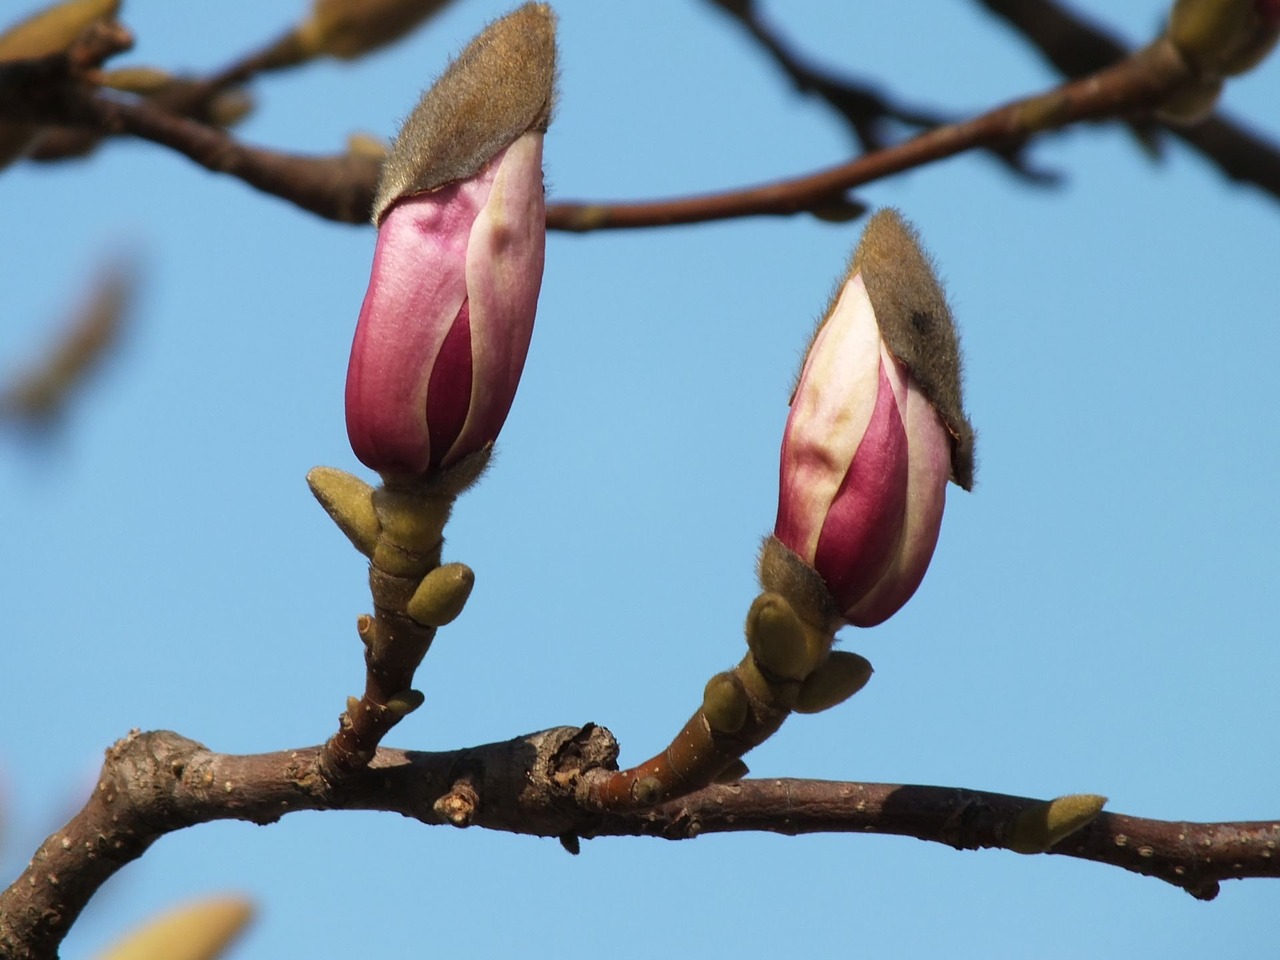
x=876, y=429
x=446, y=322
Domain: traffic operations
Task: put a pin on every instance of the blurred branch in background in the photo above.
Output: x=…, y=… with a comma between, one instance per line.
x=870, y=113
x=334, y=28
x=52, y=91
x=1077, y=48
x=38, y=397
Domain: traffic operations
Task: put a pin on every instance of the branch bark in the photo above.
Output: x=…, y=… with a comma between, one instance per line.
x=156, y=783
x=1077, y=48
x=340, y=187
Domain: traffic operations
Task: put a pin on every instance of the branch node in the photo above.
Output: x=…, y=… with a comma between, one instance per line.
x=458, y=807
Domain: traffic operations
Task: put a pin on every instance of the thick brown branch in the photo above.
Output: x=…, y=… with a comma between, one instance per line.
x=1076, y=48
x=1193, y=856
x=156, y=783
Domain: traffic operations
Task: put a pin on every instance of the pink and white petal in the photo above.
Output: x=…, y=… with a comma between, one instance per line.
x=929, y=471
x=504, y=261
x=864, y=524
x=416, y=289
x=830, y=411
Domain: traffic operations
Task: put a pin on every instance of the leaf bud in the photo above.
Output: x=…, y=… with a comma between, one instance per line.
x=349, y=501
x=1224, y=37
x=833, y=682
x=724, y=704
x=1039, y=827
x=441, y=595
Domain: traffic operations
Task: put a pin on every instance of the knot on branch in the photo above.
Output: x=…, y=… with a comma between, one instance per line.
x=146, y=768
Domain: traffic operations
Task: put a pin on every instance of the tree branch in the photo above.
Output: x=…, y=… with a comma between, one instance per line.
x=156, y=783
x=1077, y=48
x=340, y=187
x=868, y=111
x=1131, y=86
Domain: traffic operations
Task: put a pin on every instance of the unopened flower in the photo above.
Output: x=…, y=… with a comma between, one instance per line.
x=446, y=322
x=876, y=429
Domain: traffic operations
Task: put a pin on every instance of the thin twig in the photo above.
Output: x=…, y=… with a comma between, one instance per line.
x=866, y=108
x=1076, y=48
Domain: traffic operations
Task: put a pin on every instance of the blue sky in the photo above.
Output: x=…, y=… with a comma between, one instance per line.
x=1099, y=616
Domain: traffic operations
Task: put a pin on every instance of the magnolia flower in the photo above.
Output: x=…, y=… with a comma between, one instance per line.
x=446, y=322
x=876, y=430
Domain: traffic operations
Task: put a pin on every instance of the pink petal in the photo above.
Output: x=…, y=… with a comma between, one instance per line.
x=864, y=523
x=830, y=412
x=449, y=390
x=928, y=472
x=416, y=290
x=504, y=258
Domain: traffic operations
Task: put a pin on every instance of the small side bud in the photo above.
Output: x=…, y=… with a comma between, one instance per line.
x=141, y=80
x=724, y=704
x=353, y=705
x=53, y=29
x=368, y=146
x=733, y=772
x=781, y=570
x=405, y=702
x=200, y=930
x=647, y=790
x=351, y=28
x=1221, y=38
x=349, y=501
x=779, y=640
x=441, y=595
x=45, y=32
x=837, y=679
x=1038, y=828
x=1191, y=102
x=40, y=394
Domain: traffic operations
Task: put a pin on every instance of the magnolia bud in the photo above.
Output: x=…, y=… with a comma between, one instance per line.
x=350, y=28
x=446, y=322
x=877, y=427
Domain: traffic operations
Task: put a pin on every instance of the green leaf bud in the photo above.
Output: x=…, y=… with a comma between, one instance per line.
x=1191, y=102
x=780, y=642
x=351, y=28
x=1224, y=37
x=441, y=595
x=349, y=501
x=724, y=704
x=834, y=681
x=734, y=771
x=200, y=930
x=647, y=790
x=405, y=702
x=1038, y=828
x=53, y=29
